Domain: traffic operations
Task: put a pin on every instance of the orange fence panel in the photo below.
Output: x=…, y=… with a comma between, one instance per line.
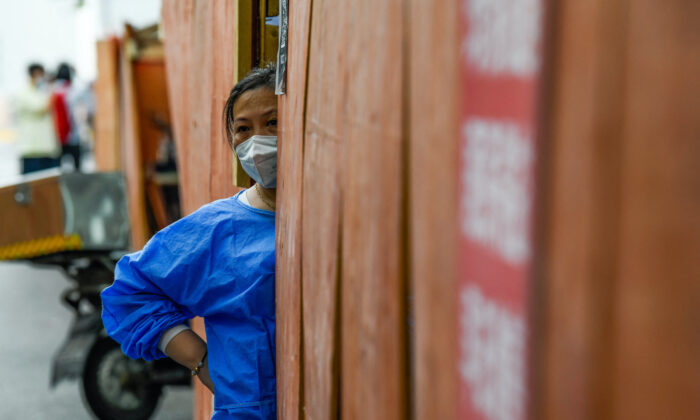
x=374, y=324
x=432, y=189
x=200, y=61
x=292, y=114
x=621, y=236
x=323, y=163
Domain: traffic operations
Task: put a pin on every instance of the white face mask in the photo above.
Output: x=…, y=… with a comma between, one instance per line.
x=41, y=83
x=258, y=156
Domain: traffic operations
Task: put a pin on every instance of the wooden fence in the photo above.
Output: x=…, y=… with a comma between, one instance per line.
x=369, y=221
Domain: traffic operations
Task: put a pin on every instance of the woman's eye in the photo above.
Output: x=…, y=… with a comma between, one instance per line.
x=241, y=129
x=272, y=122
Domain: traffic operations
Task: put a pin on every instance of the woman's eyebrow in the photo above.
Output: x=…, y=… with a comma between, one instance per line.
x=264, y=114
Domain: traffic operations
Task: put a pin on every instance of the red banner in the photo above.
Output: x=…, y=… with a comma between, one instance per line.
x=500, y=60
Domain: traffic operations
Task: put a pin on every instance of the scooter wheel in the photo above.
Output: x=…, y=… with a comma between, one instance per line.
x=116, y=387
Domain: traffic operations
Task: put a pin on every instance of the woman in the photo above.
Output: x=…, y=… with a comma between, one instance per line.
x=217, y=263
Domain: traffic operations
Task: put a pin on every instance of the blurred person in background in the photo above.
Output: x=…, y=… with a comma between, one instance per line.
x=36, y=140
x=83, y=106
x=64, y=121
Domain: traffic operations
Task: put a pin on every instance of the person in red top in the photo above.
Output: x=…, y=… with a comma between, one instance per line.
x=66, y=131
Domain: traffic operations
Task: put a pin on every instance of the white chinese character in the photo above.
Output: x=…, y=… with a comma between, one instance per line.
x=503, y=35
x=492, y=356
x=496, y=175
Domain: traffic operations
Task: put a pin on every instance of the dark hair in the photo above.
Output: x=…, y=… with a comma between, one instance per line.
x=34, y=67
x=64, y=72
x=258, y=77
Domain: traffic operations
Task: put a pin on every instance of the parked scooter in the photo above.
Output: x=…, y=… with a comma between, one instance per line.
x=79, y=222
x=114, y=386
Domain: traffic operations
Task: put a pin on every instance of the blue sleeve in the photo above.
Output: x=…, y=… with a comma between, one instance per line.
x=158, y=287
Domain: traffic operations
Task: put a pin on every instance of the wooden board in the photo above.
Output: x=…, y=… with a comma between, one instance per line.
x=201, y=68
x=580, y=232
x=152, y=99
x=153, y=110
x=433, y=135
x=177, y=27
x=193, y=162
x=244, y=50
x=374, y=381
x=656, y=366
x=43, y=217
x=107, y=144
x=619, y=272
x=200, y=78
x=198, y=92
x=131, y=149
x=292, y=113
x=223, y=79
x=321, y=210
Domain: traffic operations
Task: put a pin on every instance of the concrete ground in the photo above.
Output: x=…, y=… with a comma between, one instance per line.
x=33, y=324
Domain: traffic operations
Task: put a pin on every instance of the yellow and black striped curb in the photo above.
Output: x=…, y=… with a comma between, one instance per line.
x=38, y=247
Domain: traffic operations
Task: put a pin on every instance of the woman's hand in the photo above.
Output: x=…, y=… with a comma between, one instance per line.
x=188, y=349
x=203, y=375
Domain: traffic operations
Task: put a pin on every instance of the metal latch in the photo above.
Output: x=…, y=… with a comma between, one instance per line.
x=23, y=194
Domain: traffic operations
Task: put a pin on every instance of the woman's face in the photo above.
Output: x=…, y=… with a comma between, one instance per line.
x=255, y=113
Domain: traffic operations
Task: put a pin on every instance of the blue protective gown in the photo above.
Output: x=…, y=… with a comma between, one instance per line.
x=217, y=263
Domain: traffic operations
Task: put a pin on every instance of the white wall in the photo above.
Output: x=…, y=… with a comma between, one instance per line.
x=137, y=12
x=52, y=31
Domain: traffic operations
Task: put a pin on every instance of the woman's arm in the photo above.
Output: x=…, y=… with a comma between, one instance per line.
x=163, y=286
x=187, y=348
